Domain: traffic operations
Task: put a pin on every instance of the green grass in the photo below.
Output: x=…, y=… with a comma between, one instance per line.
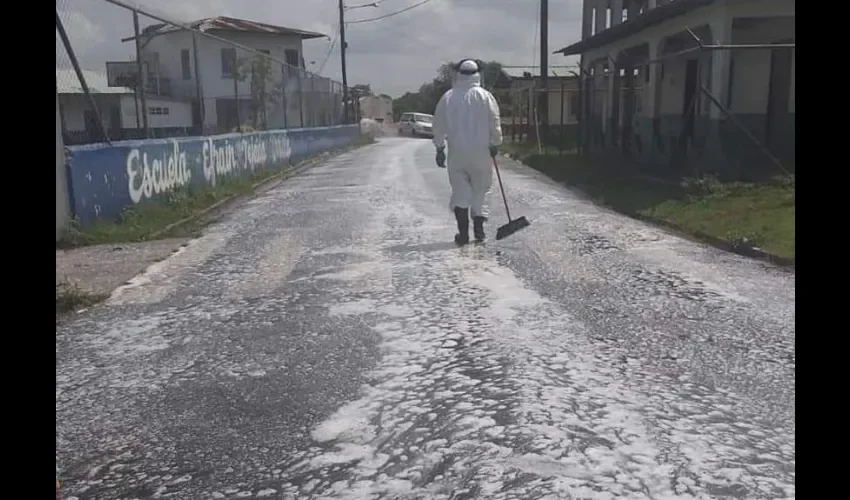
x=148, y=221
x=70, y=297
x=745, y=215
x=145, y=222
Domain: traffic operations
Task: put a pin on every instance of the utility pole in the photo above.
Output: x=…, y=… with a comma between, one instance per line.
x=342, y=46
x=543, y=100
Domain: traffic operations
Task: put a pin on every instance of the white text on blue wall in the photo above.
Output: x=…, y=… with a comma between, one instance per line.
x=161, y=174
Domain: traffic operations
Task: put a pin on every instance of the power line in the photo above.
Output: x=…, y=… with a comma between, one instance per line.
x=391, y=14
x=362, y=6
x=330, y=51
x=376, y=3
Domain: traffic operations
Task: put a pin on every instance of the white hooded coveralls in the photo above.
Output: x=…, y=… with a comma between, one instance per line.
x=468, y=117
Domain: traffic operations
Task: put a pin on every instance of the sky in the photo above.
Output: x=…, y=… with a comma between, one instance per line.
x=393, y=55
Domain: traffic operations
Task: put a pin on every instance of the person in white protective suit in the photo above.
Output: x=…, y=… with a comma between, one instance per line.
x=467, y=117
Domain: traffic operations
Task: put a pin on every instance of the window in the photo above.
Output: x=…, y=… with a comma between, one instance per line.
x=228, y=62
x=186, y=63
x=291, y=56
x=574, y=104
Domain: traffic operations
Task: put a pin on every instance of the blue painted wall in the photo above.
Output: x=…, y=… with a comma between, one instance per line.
x=105, y=179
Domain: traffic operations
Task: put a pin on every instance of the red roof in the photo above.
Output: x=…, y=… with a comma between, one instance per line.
x=224, y=23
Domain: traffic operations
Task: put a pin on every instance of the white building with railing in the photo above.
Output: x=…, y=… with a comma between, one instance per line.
x=184, y=64
x=118, y=108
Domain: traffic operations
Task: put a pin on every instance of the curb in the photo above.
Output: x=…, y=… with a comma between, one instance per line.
x=265, y=183
x=719, y=243
x=714, y=241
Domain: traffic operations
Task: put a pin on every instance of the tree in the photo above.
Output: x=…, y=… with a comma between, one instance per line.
x=361, y=90
x=425, y=100
x=263, y=90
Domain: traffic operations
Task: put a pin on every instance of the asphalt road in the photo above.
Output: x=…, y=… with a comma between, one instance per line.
x=327, y=340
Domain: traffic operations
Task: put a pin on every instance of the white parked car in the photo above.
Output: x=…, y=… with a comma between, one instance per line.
x=416, y=125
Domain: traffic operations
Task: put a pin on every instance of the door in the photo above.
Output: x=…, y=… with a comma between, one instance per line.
x=196, y=114
x=690, y=94
x=779, y=93
x=92, y=127
x=226, y=111
x=115, y=121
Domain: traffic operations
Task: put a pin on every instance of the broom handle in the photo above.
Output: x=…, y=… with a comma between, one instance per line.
x=502, y=187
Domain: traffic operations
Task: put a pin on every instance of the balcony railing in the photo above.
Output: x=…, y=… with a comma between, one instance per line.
x=158, y=85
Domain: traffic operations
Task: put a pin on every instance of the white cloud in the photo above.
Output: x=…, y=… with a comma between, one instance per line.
x=393, y=55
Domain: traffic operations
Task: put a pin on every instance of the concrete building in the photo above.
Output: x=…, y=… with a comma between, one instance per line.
x=118, y=107
x=377, y=107
x=182, y=64
x=650, y=90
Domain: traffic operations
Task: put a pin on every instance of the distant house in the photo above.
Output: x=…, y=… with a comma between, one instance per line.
x=646, y=76
x=377, y=107
x=168, y=54
x=118, y=107
x=523, y=84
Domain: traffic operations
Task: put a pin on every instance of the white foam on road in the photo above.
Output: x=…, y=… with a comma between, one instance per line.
x=486, y=387
x=271, y=269
x=160, y=279
x=391, y=423
x=483, y=387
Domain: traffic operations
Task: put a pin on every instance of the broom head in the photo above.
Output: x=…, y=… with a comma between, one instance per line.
x=512, y=227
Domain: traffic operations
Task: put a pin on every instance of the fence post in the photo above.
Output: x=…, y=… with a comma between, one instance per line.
x=284, y=101
x=70, y=51
x=311, y=100
x=528, y=116
x=236, y=94
x=140, y=69
x=63, y=201
x=515, y=98
x=198, y=89
x=561, y=141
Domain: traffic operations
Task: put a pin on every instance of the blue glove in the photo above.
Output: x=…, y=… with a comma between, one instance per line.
x=494, y=150
x=441, y=157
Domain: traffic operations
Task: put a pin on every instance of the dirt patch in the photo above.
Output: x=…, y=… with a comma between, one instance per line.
x=100, y=269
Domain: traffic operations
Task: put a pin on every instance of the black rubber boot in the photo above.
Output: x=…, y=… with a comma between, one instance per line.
x=478, y=228
x=462, y=216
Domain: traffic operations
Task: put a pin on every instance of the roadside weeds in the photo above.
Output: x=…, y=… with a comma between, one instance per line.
x=70, y=297
x=748, y=218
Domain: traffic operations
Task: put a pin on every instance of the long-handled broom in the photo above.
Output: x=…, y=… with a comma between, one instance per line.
x=513, y=225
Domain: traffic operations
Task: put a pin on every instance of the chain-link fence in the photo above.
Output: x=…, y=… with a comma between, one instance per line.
x=523, y=121
x=138, y=73
x=725, y=109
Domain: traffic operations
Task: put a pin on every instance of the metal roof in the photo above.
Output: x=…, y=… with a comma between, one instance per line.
x=554, y=71
x=650, y=18
x=68, y=83
x=224, y=23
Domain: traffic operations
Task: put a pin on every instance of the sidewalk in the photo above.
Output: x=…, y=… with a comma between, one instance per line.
x=100, y=269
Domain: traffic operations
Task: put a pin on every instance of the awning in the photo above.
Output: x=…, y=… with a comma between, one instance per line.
x=655, y=16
